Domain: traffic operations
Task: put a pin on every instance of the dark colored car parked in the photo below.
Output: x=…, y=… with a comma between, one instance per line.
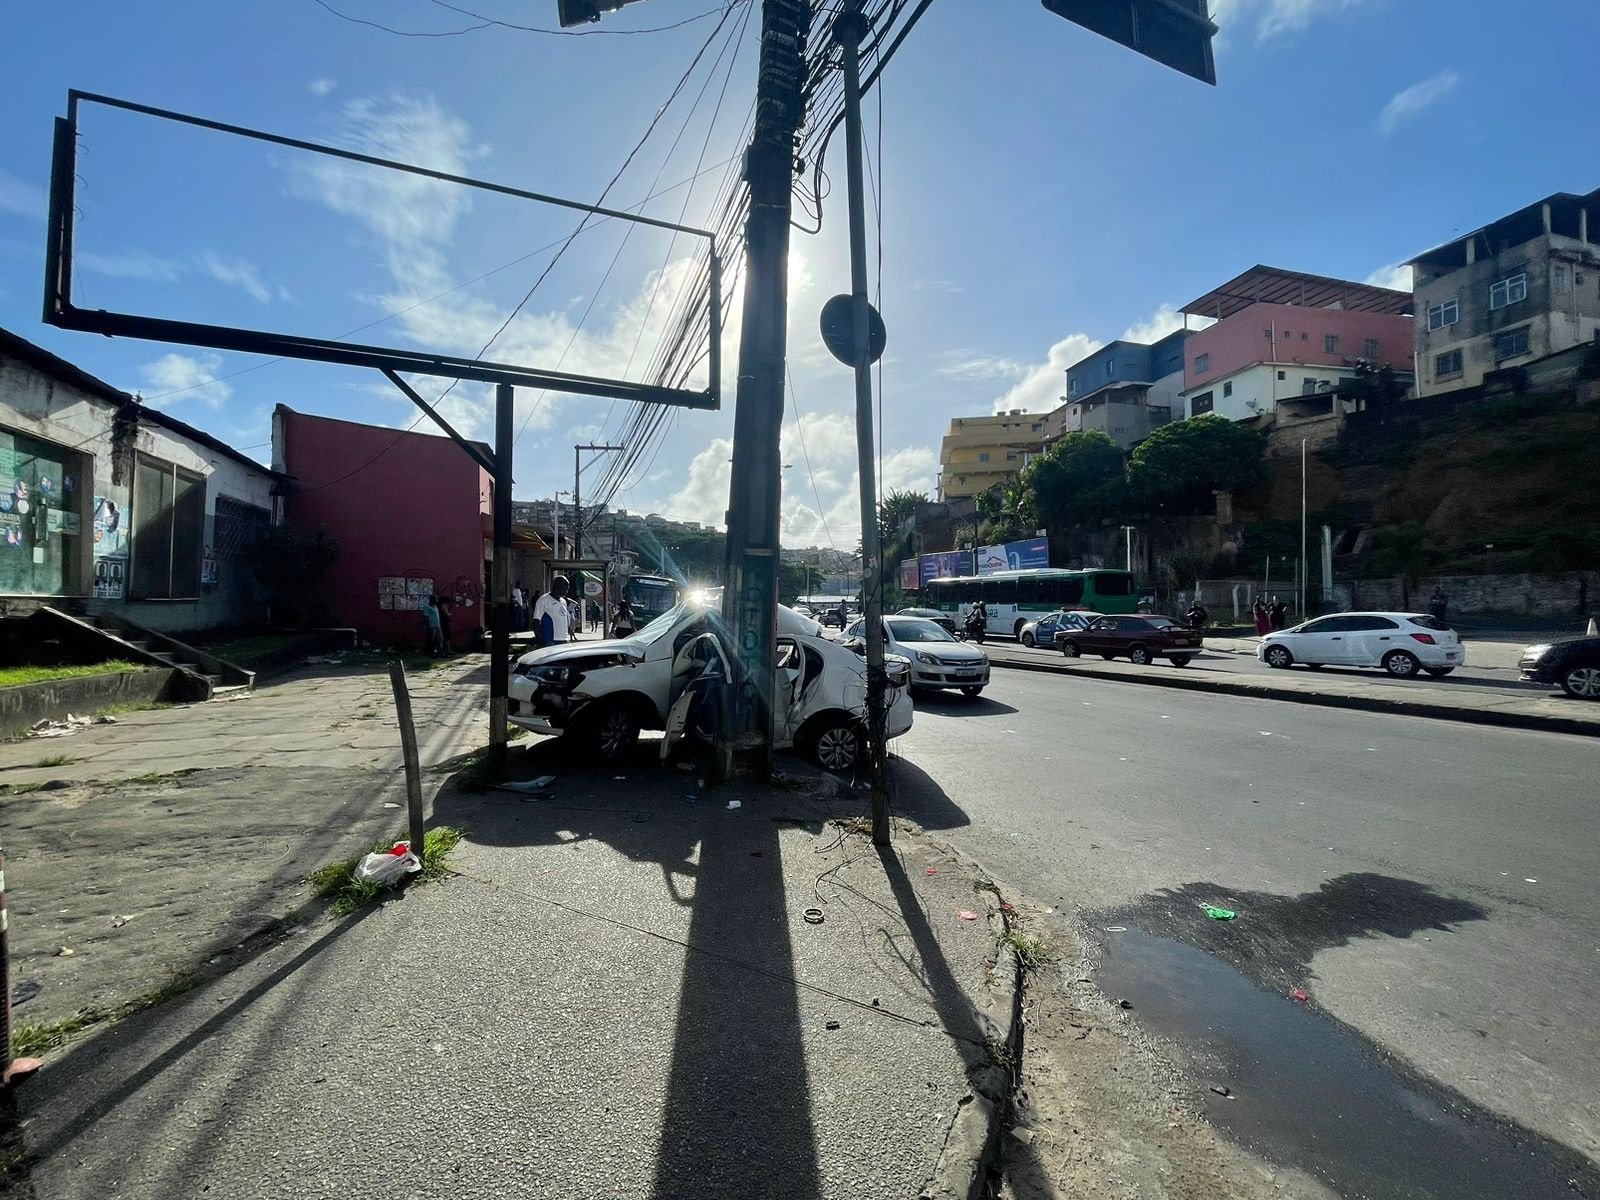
x=1138, y=639
x=1573, y=665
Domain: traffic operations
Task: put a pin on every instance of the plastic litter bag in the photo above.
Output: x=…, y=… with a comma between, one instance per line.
x=386, y=867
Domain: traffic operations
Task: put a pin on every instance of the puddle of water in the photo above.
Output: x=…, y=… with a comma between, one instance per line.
x=1308, y=1092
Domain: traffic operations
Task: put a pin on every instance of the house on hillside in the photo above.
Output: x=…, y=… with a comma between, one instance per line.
x=1520, y=289
x=107, y=505
x=980, y=453
x=1282, y=333
x=1125, y=390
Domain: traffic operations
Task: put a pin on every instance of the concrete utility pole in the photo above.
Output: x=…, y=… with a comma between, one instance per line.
x=849, y=27
x=500, y=578
x=750, y=599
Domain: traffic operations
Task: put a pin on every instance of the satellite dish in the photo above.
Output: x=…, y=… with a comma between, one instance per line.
x=839, y=331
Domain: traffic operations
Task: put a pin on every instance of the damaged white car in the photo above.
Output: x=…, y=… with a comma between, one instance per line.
x=601, y=694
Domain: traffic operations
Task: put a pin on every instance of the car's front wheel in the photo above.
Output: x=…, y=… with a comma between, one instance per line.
x=1582, y=683
x=971, y=693
x=1138, y=656
x=1070, y=648
x=1401, y=664
x=1279, y=657
x=837, y=745
x=611, y=733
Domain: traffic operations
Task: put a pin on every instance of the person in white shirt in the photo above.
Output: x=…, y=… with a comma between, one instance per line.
x=551, y=615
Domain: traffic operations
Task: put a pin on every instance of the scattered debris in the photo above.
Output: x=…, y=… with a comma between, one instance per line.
x=390, y=804
x=733, y=804
x=758, y=854
x=1005, y=906
x=833, y=1025
x=641, y=817
x=324, y=660
x=1112, y=928
x=64, y=952
x=1300, y=995
x=1124, y=1003
x=1530, y=881
x=49, y=728
x=119, y=922
x=527, y=785
x=686, y=766
x=1221, y=1089
x=388, y=866
x=966, y=914
x=1219, y=914
x=813, y=916
x=26, y=989
x=933, y=870
x=874, y=1002
x=619, y=777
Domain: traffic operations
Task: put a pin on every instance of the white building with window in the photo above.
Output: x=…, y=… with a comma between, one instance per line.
x=107, y=504
x=1517, y=290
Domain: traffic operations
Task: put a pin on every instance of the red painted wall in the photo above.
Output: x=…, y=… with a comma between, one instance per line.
x=1240, y=340
x=400, y=505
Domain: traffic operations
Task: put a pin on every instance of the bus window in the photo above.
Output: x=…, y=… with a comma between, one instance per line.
x=967, y=590
x=1036, y=592
x=1113, y=583
x=1071, y=594
x=999, y=591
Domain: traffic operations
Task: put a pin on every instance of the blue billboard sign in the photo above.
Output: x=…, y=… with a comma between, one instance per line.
x=945, y=564
x=1014, y=556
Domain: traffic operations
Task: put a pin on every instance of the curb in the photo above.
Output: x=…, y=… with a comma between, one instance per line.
x=972, y=1144
x=1400, y=707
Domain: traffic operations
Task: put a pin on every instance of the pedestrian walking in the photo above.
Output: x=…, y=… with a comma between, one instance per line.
x=1439, y=604
x=430, y=621
x=1258, y=611
x=622, y=625
x=441, y=604
x=519, y=607
x=574, y=616
x=1197, y=615
x=1278, y=613
x=552, y=615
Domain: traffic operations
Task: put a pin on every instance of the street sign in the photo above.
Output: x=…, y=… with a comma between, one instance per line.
x=839, y=331
x=1176, y=33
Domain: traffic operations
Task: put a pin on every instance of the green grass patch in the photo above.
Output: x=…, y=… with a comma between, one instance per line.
x=54, y=760
x=18, y=676
x=1030, y=949
x=34, y=1040
x=337, y=881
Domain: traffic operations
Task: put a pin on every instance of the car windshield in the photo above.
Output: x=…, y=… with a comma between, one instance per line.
x=915, y=629
x=663, y=624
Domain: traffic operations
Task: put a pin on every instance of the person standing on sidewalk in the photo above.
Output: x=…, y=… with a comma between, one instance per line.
x=1439, y=604
x=552, y=616
x=623, y=626
x=441, y=605
x=1278, y=612
x=1197, y=615
x=1258, y=612
x=430, y=619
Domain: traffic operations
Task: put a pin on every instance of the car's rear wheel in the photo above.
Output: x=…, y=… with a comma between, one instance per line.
x=1070, y=648
x=1027, y=638
x=1438, y=672
x=1279, y=657
x=1138, y=655
x=1402, y=664
x=837, y=745
x=1582, y=682
x=971, y=693
x=1181, y=660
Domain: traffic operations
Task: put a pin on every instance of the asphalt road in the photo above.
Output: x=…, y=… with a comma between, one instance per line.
x=1430, y=884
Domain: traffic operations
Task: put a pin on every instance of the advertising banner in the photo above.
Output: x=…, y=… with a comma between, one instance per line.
x=945, y=564
x=1014, y=556
x=910, y=579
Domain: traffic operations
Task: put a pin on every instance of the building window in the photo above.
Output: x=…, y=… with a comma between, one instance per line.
x=1305, y=336
x=1308, y=386
x=169, y=517
x=1267, y=333
x=42, y=512
x=1510, y=344
x=1111, y=367
x=1282, y=375
x=984, y=456
x=1508, y=291
x=1370, y=348
x=1447, y=364
x=1445, y=313
x=1330, y=343
x=1200, y=404
x=1227, y=389
x=1287, y=335
x=1202, y=363
x=1560, y=281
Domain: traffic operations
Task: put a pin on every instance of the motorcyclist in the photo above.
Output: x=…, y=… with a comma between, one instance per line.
x=977, y=621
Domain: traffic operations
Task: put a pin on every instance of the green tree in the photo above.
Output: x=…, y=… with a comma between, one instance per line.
x=893, y=510
x=1405, y=550
x=1077, y=480
x=1177, y=468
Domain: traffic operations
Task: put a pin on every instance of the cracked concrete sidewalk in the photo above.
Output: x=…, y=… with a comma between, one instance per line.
x=176, y=833
x=618, y=994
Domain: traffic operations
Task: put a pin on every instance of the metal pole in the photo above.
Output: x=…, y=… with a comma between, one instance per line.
x=408, y=751
x=1305, y=563
x=12, y=1071
x=750, y=597
x=500, y=578
x=849, y=27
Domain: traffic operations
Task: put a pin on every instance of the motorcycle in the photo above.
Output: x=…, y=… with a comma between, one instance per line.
x=974, y=628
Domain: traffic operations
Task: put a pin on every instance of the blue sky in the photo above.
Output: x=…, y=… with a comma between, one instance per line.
x=1042, y=192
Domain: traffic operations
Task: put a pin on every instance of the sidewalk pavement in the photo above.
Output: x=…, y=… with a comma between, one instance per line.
x=617, y=995
x=170, y=837
x=1516, y=709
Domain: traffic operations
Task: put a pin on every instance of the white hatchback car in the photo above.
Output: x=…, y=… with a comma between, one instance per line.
x=1400, y=643
x=602, y=693
x=937, y=659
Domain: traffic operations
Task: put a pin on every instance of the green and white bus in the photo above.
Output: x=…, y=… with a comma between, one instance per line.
x=1014, y=598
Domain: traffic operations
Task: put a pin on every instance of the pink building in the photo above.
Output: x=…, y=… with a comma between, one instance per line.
x=1284, y=333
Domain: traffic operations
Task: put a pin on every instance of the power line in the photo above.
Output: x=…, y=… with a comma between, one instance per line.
x=711, y=12
x=398, y=32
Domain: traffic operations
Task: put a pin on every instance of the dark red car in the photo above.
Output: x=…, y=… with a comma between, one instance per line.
x=1138, y=639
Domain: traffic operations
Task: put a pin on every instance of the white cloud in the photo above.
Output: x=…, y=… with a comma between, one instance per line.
x=130, y=264
x=321, y=87
x=974, y=366
x=1274, y=18
x=1041, y=388
x=235, y=272
x=1416, y=98
x=704, y=497
x=948, y=286
x=193, y=375
x=1396, y=275
x=1163, y=321
x=20, y=197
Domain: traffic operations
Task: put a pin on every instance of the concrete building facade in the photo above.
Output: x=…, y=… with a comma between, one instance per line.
x=1520, y=289
x=108, y=505
x=979, y=453
x=1284, y=333
x=1124, y=390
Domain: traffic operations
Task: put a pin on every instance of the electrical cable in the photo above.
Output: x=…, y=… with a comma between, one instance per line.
x=399, y=32
x=710, y=12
